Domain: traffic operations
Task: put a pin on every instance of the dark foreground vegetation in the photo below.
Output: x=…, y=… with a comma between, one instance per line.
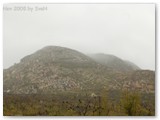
x=110, y=104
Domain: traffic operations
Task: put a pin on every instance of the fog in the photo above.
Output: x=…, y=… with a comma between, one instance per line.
x=124, y=30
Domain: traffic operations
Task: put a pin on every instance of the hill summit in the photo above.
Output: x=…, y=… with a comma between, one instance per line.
x=114, y=62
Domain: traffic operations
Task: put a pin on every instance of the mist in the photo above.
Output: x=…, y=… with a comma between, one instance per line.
x=124, y=30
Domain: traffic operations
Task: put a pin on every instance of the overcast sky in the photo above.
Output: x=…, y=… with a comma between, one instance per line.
x=124, y=30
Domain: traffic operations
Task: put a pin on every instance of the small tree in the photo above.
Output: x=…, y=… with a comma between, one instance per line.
x=131, y=103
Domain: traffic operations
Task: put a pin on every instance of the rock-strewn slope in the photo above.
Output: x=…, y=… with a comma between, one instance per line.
x=139, y=80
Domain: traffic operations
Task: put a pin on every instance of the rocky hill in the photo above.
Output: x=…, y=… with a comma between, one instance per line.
x=57, y=69
x=53, y=69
